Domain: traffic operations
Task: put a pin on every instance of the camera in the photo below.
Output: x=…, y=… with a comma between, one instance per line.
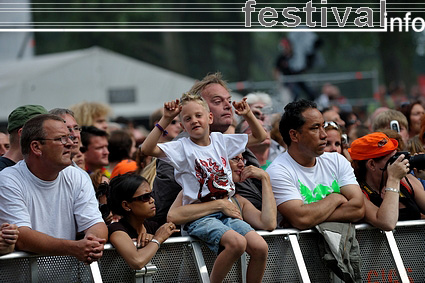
x=104, y=209
x=415, y=161
x=394, y=125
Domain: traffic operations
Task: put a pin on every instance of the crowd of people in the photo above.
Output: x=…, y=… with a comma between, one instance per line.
x=70, y=181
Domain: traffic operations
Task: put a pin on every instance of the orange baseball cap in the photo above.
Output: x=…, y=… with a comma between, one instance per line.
x=125, y=166
x=372, y=146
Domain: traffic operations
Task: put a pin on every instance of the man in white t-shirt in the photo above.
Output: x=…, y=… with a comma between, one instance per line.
x=311, y=186
x=49, y=200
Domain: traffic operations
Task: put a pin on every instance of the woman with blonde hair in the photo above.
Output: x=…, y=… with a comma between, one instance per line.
x=92, y=114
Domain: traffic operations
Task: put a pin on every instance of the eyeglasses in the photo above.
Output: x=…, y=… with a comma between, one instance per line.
x=75, y=129
x=332, y=124
x=62, y=139
x=145, y=197
x=237, y=159
x=174, y=122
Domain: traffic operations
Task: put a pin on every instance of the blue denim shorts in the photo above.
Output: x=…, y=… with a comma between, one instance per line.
x=211, y=228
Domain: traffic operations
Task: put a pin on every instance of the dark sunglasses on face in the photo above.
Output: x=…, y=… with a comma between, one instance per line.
x=174, y=122
x=145, y=197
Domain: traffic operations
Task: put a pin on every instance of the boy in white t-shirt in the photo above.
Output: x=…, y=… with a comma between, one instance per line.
x=201, y=167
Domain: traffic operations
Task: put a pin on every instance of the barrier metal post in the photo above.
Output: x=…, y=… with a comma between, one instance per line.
x=200, y=263
x=396, y=256
x=34, y=269
x=144, y=275
x=244, y=266
x=95, y=272
x=302, y=269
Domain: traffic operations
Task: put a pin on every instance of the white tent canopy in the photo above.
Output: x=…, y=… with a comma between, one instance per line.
x=94, y=74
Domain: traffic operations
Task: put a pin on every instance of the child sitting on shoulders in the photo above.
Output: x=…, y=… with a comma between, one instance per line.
x=202, y=169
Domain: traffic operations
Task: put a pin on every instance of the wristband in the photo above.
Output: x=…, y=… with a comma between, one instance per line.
x=164, y=132
x=157, y=242
x=392, y=190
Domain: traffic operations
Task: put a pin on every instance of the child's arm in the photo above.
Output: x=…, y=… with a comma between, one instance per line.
x=258, y=133
x=149, y=146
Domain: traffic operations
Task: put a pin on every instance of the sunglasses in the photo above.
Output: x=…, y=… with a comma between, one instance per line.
x=145, y=197
x=331, y=124
x=174, y=122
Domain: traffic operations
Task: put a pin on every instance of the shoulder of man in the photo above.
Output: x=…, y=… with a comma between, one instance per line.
x=75, y=173
x=333, y=157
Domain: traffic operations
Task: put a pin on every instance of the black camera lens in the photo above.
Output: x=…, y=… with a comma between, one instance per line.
x=104, y=210
x=417, y=161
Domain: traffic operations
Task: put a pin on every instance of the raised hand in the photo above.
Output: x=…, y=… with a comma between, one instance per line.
x=171, y=109
x=241, y=108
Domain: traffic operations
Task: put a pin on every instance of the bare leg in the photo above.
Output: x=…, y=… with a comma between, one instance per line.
x=234, y=246
x=258, y=250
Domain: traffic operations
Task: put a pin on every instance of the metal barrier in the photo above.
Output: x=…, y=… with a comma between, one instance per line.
x=397, y=256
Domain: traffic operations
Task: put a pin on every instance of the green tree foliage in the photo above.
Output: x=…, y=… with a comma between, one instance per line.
x=240, y=56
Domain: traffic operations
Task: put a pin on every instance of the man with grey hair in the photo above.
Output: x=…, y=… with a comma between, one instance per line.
x=73, y=127
x=49, y=200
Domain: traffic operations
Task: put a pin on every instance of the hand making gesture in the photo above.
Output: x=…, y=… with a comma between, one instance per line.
x=171, y=109
x=241, y=108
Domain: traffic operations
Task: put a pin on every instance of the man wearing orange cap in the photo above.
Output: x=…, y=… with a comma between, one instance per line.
x=402, y=197
x=312, y=186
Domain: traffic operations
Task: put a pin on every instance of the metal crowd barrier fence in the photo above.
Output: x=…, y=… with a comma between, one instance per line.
x=397, y=256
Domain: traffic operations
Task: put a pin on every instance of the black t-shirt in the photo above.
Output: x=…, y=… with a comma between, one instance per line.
x=124, y=226
x=5, y=162
x=407, y=197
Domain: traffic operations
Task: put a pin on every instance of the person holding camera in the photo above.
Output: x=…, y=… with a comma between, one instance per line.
x=390, y=193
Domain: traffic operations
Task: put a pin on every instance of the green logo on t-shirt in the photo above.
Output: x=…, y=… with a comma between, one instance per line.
x=319, y=192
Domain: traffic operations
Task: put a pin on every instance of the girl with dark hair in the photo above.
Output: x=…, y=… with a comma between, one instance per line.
x=130, y=197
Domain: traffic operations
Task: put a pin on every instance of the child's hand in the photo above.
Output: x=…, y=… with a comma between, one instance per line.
x=242, y=107
x=171, y=109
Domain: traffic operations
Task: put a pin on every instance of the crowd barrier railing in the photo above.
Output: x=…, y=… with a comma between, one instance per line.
x=397, y=256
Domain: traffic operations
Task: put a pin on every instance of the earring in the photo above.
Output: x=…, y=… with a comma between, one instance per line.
x=128, y=209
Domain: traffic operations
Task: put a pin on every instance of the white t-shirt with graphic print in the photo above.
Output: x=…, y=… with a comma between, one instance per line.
x=204, y=172
x=291, y=181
